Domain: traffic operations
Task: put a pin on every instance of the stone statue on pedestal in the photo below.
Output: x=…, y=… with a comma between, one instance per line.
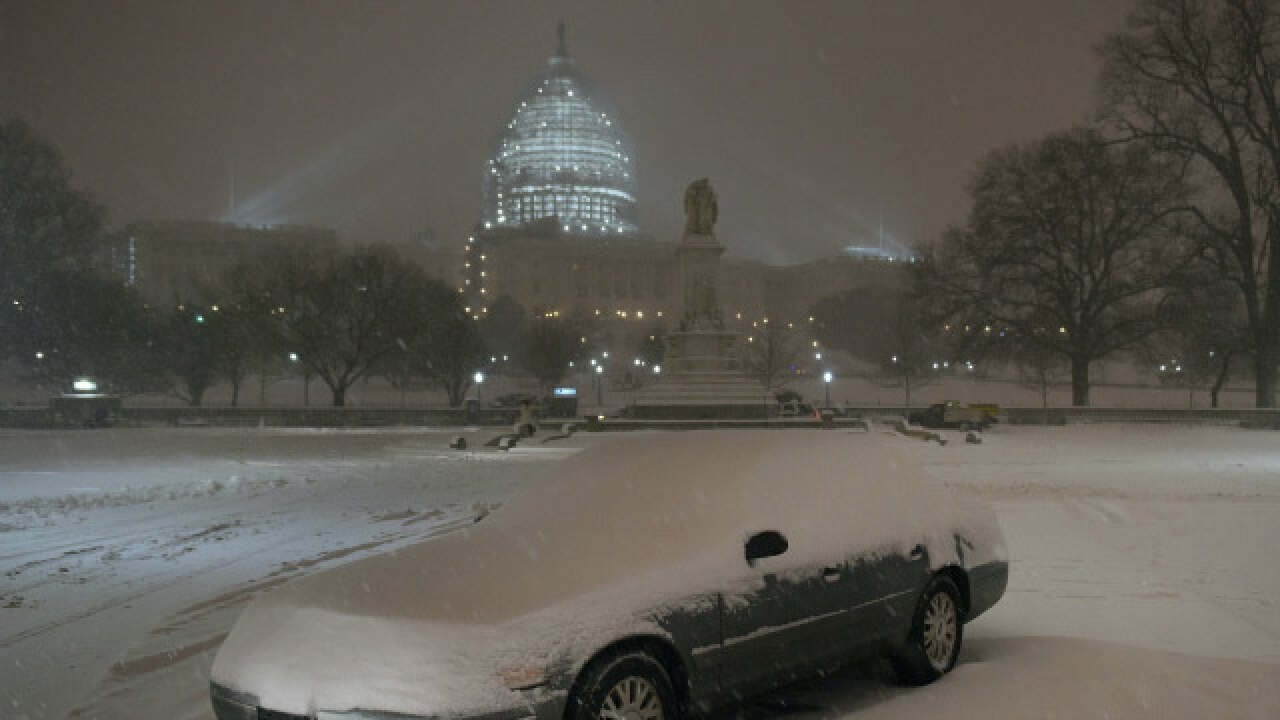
x=702, y=375
x=700, y=208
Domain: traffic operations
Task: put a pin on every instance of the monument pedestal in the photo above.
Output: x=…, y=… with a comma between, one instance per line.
x=701, y=379
x=701, y=375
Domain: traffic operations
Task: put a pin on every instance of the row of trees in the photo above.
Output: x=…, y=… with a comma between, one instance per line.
x=1151, y=232
x=339, y=317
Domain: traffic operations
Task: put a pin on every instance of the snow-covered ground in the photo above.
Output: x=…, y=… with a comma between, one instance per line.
x=1144, y=579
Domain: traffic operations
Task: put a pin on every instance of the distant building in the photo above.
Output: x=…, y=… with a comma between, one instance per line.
x=558, y=230
x=175, y=262
x=561, y=157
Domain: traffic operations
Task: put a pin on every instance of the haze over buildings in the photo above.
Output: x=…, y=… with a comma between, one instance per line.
x=818, y=123
x=558, y=230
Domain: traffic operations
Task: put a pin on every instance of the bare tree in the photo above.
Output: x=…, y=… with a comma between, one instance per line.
x=345, y=314
x=45, y=223
x=883, y=326
x=1200, y=78
x=549, y=346
x=450, y=348
x=1068, y=246
x=77, y=322
x=189, y=346
x=769, y=354
x=1039, y=368
x=1202, y=334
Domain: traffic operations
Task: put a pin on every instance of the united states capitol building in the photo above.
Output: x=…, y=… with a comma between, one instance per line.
x=558, y=231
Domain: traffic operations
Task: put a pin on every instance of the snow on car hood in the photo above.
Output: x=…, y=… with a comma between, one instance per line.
x=603, y=538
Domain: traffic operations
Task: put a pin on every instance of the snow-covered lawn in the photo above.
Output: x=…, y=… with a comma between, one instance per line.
x=1144, y=574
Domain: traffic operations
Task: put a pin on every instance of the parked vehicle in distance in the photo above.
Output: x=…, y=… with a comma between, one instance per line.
x=955, y=415
x=647, y=576
x=514, y=400
x=793, y=408
x=792, y=404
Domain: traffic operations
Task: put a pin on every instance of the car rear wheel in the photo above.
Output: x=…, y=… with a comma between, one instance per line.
x=937, y=629
x=626, y=686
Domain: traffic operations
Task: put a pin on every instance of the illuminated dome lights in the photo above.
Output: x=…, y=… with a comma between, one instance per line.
x=561, y=158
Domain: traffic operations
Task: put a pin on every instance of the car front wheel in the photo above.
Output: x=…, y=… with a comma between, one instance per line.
x=627, y=686
x=937, y=630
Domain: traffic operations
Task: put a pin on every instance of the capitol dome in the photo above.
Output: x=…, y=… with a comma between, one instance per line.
x=561, y=159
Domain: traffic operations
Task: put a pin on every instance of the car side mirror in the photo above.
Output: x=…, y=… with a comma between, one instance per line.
x=765, y=544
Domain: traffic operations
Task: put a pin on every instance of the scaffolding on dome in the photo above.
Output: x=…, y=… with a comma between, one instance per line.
x=563, y=158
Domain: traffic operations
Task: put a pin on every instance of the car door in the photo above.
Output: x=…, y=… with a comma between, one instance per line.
x=789, y=624
x=885, y=586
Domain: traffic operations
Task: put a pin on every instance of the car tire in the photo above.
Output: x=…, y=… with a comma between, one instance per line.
x=937, y=631
x=627, y=684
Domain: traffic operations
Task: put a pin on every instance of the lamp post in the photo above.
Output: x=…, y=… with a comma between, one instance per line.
x=294, y=359
x=479, y=378
x=599, y=385
x=826, y=382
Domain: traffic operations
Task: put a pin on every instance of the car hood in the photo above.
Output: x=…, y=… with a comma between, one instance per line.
x=433, y=628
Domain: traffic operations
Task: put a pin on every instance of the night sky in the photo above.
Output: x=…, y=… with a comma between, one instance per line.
x=814, y=120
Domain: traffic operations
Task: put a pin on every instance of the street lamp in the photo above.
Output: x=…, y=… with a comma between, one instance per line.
x=599, y=385
x=826, y=381
x=295, y=359
x=479, y=378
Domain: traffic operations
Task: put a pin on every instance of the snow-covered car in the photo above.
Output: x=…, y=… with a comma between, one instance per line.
x=645, y=577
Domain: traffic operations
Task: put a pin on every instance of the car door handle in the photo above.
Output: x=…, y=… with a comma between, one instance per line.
x=831, y=574
x=917, y=552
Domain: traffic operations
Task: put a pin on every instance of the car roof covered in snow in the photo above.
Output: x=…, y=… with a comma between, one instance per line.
x=644, y=505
